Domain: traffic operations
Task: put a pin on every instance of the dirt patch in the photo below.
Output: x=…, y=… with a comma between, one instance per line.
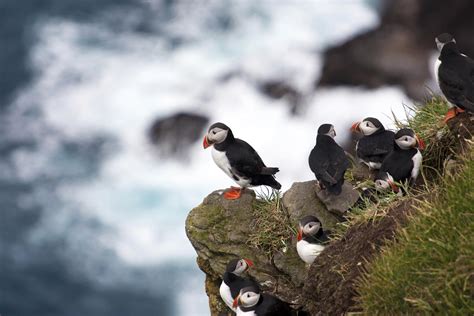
x=329, y=288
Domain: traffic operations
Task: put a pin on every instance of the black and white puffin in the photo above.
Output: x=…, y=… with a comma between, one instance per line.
x=311, y=237
x=238, y=160
x=328, y=160
x=403, y=163
x=455, y=74
x=376, y=143
x=232, y=282
x=252, y=302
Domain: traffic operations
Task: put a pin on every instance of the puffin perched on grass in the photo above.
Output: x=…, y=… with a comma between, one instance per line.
x=311, y=237
x=403, y=163
x=455, y=74
x=328, y=161
x=251, y=301
x=376, y=143
x=238, y=160
x=233, y=282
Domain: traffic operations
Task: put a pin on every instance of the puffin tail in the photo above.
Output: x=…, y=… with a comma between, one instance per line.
x=269, y=171
x=271, y=182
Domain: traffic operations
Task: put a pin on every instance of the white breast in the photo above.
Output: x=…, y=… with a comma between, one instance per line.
x=436, y=68
x=307, y=251
x=239, y=312
x=221, y=160
x=226, y=296
x=417, y=159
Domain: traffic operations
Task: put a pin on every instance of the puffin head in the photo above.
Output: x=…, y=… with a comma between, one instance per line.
x=406, y=139
x=327, y=129
x=216, y=134
x=308, y=226
x=238, y=266
x=248, y=297
x=384, y=181
x=444, y=39
x=367, y=126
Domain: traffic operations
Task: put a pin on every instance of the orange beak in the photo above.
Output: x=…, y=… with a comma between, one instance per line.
x=205, y=143
x=355, y=127
x=421, y=143
x=249, y=262
x=236, y=301
x=395, y=187
x=300, y=234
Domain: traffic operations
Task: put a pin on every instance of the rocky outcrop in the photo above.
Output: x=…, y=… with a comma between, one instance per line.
x=173, y=134
x=397, y=52
x=263, y=231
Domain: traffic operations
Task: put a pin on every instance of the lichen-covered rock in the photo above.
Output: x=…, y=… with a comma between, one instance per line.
x=221, y=230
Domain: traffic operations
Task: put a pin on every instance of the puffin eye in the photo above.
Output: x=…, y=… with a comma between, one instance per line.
x=214, y=132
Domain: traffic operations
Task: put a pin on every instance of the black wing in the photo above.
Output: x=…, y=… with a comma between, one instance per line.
x=245, y=161
x=377, y=145
x=399, y=165
x=329, y=164
x=456, y=81
x=272, y=306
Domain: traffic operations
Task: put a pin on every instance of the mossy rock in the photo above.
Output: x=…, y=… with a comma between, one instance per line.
x=221, y=230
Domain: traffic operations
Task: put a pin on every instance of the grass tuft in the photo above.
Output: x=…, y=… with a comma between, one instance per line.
x=430, y=269
x=273, y=230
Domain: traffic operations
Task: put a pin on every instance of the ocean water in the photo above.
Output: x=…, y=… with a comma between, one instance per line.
x=92, y=218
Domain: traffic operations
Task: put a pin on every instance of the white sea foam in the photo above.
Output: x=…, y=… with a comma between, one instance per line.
x=118, y=87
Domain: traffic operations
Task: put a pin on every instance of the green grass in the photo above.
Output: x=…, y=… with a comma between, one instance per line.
x=273, y=229
x=427, y=122
x=430, y=269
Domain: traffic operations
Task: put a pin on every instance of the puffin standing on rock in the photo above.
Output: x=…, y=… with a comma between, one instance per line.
x=232, y=282
x=238, y=160
x=455, y=74
x=403, y=163
x=311, y=236
x=376, y=143
x=328, y=160
x=252, y=302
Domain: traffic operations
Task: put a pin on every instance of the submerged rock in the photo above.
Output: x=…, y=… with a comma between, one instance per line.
x=277, y=89
x=173, y=134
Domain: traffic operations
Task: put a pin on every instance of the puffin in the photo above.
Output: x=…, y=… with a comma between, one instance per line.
x=311, y=238
x=454, y=72
x=403, y=163
x=328, y=161
x=252, y=302
x=376, y=143
x=238, y=160
x=232, y=282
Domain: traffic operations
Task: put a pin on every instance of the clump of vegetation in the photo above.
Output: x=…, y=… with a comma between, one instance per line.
x=273, y=229
x=427, y=122
x=429, y=270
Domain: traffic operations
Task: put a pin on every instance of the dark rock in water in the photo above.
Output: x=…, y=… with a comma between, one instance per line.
x=398, y=51
x=277, y=89
x=173, y=134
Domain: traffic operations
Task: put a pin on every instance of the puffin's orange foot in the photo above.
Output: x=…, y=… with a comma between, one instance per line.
x=452, y=112
x=233, y=193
